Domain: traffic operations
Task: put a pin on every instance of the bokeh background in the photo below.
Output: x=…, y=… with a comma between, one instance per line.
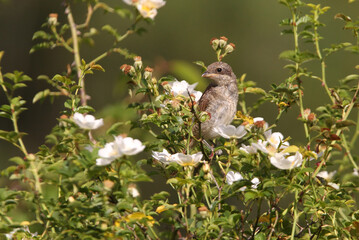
x=179, y=36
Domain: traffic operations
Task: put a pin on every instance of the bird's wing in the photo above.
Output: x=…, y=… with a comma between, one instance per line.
x=206, y=98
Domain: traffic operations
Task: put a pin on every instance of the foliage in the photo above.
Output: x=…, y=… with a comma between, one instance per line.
x=250, y=184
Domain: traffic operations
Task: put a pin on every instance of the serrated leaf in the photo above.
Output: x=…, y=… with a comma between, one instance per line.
x=42, y=35
x=42, y=46
x=304, y=19
x=85, y=109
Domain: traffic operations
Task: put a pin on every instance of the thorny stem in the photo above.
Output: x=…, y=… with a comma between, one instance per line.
x=296, y=45
x=322, y=62
x=76, y=52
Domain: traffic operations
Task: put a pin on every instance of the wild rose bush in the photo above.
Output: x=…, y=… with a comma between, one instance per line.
x=251, y=183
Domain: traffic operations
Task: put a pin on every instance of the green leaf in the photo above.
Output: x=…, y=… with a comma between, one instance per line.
x=255, y=90
x=85, y=109
x=291, y=149
x=301, y=57
x=112, y=31
x=250, y=195
x=41, y=35
x=114, y=129
x=42, y=46
x=97, y=67
x=141, y=178
x=160, y=196
x=304, y=19
x=17, y=160
x=345, y=123
x=41, y=95
x=200, y=63
x=260, y=236
x=343, y=17
x=349, y=78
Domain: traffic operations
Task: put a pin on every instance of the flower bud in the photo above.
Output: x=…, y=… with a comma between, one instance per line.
x=128, y=70
x=138, y=63
x=71, y=199
x=214, y=42
x=230, y=48
x=203, y=211
x=206, y=167
x=52, y=19
x=204, y=116
x=222, y=42
x=31, y=157
x=108, y=184
x=147, y=75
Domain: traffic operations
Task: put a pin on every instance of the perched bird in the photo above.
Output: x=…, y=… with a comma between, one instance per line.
x=219, y=99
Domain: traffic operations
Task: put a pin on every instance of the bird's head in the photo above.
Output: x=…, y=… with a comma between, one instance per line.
x=221, y=73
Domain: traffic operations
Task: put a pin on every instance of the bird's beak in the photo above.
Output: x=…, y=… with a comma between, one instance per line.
x=207, y=75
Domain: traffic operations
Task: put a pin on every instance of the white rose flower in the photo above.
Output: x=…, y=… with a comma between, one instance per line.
x=232, y=177
x=260, y=145
x=248, y=149
x=129, y=146
x=164, y=157
x=283, y=161
x=108, y=154
x=326, y=175
x=183, y=88
x=188, y=160
x=147, y=8
x=104, y=161
x=87, y=122
x=275, y=139
x=179, y=158
x=230, y=131
x=255, y=182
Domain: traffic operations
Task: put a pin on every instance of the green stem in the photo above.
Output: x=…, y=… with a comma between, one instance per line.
x=356, y=133
x=76, y=52
x=60, y=39
x=347, y=149
x=322, y=62
x=296, y=46
x=295, y=215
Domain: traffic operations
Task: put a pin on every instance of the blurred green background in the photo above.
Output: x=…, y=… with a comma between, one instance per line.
x=179, y=36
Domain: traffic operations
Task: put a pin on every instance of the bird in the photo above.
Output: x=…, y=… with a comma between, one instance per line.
x=219, y=100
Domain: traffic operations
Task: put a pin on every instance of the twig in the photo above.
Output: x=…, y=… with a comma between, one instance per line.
x=76, y=52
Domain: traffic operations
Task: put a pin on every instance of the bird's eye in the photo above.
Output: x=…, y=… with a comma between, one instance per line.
x=219, y=69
